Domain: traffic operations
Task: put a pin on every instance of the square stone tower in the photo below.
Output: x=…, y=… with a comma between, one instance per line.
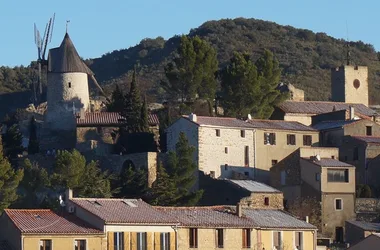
x=349, y=84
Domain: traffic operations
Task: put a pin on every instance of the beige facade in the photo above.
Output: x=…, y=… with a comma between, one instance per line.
x=350, y=84
x=257, y=200
x=221, y=151
x=64, y=242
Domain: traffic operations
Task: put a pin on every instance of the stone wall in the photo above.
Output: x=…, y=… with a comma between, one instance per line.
x=257, y=200
x=368, y=209
x=98, y=139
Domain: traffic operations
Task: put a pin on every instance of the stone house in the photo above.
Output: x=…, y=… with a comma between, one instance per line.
x=226, y=146
x=356, y=231
x=372, y=242
x=30, y=229
x=303, y=112
x=315, y=173
x=362, y=152
x=332, y=132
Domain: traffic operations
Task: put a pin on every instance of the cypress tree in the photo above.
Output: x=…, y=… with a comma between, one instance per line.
x=13, y=142
x=117, y=100
x=144, y=124
x=164, y=191
x=132, y=181
x=34, y=145
x=132, y=107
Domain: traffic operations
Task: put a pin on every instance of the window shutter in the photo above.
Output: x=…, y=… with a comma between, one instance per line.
x=149, y=240
x=346, y=175
x=297, y=240
x=244, y=238
x=157, y=240
x=275, y=239
x=172, y=241
x=293, y=140
x=127, y=244
x=288, y=139
x=110, y=240
x=133, y=241
x=266, y=138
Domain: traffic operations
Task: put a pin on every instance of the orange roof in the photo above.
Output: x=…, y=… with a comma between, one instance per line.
x=45, y=221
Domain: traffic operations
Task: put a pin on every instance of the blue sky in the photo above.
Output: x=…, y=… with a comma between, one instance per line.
x=100, y=26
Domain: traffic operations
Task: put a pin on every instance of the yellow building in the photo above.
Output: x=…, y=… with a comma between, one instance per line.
x=32, y=229
x=129, y=224
x=237, y=228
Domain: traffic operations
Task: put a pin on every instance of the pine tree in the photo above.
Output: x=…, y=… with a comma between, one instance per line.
x=34, y=145
x=192, y=72
x=144, y=124
x=164, y=191
x=9, y=182
x=132, y=107
x=13, y=142
x=35, y=182
x=132, y=181
x=249, y=88
x=117, y=100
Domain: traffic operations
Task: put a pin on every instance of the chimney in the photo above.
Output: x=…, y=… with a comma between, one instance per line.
x=352, y=113
x=249, y=117
x=239, y=211
x=193, y=117
x=307, y=219
x=68, y=195
x=318, y=157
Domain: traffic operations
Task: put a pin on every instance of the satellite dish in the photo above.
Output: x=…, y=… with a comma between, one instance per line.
x=61, y=202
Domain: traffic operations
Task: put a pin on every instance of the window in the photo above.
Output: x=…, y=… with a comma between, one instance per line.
x=266, y=201
x=164, y=241
x=193, y=238
x=307, y=141
x=80, y=245
x=337, y=175
x=356, y=154
x=45, y=244
x=274, y=162
x=246, y=156
x=333, y=157
x=219, y=238
x=226, y=150
x=246, y=173
x=242, y=133
x=217, y=132
x=277, y=240
x=338, y=204
x=141, y=241
x=269, y=138
x=298, y=240
x=318, y=176
x=69, y=84
x=283, y=177
x=291, y=139
x=118, y=239
x=368, y=130
x=246, y=238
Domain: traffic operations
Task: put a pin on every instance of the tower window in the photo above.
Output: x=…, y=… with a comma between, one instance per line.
x=69, y=84
x=356, y=83
x=368, y=130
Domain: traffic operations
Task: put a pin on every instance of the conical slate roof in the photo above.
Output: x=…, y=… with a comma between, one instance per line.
x=65, y=58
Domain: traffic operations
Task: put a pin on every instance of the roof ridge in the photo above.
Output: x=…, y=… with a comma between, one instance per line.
x=193, y=207
x=106, y=199
x=328, y=102
x=27, y=209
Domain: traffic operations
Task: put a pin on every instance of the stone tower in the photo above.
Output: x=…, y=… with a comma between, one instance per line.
x=349, y=84
x=67, y=86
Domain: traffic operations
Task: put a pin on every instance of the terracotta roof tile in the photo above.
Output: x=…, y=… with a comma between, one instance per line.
x=207, y=217
x=314, y=107
x=128, y=211
x=45, y=221
x=109, y=119
x=250, y=124
x=328, y=162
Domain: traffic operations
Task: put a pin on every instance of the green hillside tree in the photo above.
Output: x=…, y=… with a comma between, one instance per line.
x=117, y=100
x=132, y=182
x=9, y=182
x=249, y=88
x=192, y=71
x=34, y=145
x=239, y=85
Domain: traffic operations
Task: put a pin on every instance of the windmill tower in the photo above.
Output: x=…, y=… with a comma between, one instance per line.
x=41, y=43
x=67, y=90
